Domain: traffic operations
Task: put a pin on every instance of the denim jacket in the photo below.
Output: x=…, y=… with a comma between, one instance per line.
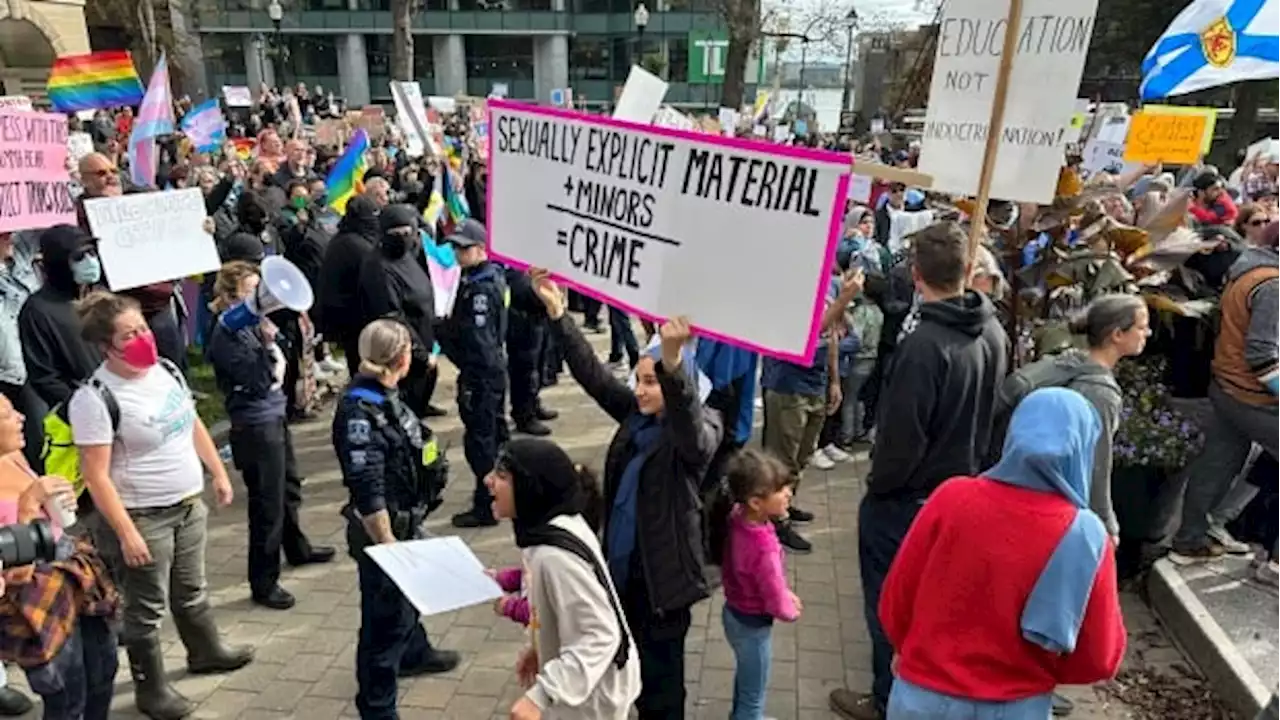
x=18, y=280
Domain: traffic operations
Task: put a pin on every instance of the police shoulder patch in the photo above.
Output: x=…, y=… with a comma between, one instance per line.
x=358, y=431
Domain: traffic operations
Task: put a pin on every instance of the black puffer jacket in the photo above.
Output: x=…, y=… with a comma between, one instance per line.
x=669, y=509
x=339, y=277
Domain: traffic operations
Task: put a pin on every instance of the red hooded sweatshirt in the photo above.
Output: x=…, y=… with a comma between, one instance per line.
x=952, y=603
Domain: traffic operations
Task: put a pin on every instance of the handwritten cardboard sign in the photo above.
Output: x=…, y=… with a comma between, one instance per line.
x=151, y=237
x=1053, y=40
x=1173, y=138
x=34, y=183
x=662, y=222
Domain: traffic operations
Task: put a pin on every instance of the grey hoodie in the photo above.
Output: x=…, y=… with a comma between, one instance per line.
x=1072, y=369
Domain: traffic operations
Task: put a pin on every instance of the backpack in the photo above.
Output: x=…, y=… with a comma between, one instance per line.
x=1043, y=373
x=60, y=455
x=567, y=541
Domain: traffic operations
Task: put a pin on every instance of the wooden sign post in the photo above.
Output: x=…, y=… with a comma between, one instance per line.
x=978, y=222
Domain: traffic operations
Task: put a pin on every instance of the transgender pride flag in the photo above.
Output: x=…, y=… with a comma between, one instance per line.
x=205, y=126
x=155, y=118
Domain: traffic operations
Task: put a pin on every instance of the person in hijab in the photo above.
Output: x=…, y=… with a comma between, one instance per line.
x=653, y=473
x=582, y=661
x=1006, y=583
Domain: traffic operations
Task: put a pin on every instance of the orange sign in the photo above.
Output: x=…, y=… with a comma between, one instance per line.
x=1160, y=137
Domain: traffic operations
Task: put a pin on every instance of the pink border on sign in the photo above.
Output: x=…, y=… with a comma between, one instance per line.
x=809, y=154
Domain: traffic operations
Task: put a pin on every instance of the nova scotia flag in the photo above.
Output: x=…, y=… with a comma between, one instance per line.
x=1214, y=42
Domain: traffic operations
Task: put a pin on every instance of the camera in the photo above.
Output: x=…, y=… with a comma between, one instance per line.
x=25, y=544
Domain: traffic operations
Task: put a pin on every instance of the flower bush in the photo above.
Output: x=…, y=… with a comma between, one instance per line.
x=1151, y=432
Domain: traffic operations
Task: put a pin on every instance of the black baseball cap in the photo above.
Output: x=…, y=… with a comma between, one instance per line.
x=470, y=234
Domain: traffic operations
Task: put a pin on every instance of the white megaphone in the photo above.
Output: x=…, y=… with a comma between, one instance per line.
x=283, y=286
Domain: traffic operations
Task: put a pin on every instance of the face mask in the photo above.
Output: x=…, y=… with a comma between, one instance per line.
x=140, y=352
x=394, y=246
x=298, y=203
x=87, y=270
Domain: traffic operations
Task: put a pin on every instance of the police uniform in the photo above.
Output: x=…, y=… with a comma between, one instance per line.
x=389, y=462
x=526, y=336
x=474, y=339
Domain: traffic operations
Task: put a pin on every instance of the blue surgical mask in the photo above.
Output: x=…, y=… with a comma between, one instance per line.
x=87, y=270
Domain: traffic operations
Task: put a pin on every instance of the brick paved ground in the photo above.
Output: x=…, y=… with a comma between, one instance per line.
x=305, y=656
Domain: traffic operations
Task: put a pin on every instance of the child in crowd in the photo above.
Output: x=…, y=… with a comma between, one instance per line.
x=755, y=583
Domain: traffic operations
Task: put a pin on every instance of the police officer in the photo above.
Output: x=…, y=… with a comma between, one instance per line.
x=526, y=337
x=395, y=476
x=473, y=338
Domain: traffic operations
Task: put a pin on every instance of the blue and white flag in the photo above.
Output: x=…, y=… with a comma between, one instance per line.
x=1211, y=43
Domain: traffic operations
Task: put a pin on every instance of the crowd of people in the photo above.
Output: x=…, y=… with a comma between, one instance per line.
x=989, y=477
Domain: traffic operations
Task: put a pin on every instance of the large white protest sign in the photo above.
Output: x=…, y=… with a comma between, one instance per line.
x=20, y=103
x=1105, y=150
x=151, y=237
x=1053, y=40
x=640, y=97
x=738, y=235
x=237, y=95
x=411, y=116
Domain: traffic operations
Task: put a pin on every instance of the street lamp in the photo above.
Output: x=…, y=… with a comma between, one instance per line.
x=846, y=98
x=641, y=18
x=275, y=11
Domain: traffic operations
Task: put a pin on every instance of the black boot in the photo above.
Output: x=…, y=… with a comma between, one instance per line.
x=542, y=412
x=154, y=696
x=532, y=426
x=206, y=653
x=791, y=539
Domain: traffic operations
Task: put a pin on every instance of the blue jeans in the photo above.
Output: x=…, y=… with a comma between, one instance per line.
x=752, y=645
x=912, y=702
x=391, y=638
x=622, y=337
x=79, y=681
x=882, y=526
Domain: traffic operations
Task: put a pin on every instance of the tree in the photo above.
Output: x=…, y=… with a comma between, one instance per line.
x=742, y=17
x=402, y=40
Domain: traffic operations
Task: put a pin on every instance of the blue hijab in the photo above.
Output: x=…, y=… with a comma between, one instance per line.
x=644, y=432
x=1049, y=448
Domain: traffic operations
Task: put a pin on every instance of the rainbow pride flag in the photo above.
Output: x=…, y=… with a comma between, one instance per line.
x=346, y=180
x=95, y=80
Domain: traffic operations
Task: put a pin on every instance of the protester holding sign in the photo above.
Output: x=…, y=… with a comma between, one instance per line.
x=652, y=473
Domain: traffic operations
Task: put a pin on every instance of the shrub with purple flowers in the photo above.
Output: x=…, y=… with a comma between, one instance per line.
x=1151, y=432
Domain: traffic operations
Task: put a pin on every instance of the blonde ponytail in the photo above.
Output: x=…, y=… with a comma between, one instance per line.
x=381, y=345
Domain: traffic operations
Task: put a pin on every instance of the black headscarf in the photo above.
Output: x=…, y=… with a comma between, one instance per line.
x=545, y=483
x=361, y=218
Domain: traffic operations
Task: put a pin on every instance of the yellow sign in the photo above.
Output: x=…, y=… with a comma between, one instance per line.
x=1218, y=41
x=1163, y=137
x=1210, y=119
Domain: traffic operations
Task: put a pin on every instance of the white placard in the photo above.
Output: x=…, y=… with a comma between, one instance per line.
x=1105, y=150
x=86, y=115
x=444, y=105
x=498, y=90
x=151, y=237
x=660, y=222
x=79, y=144
x=641, y=96
x=672, y=118
x=781, y=132
x=877, y=126
x=436, y=575
x=904, y=223
x=860, y=188
x=1052, y=45
x=237, y=96
x=15, y=102
x=728, y=121
x=411, y=116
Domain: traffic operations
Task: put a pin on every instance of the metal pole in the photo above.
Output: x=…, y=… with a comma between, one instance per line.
x=848, y=63
x=804, y=58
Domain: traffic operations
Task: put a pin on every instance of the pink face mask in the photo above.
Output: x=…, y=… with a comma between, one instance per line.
x=140, y=352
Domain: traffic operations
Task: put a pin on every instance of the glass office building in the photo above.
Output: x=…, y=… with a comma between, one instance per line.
x=464, y=46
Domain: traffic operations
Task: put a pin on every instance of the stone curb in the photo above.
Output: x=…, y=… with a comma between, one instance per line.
x=1204, y=642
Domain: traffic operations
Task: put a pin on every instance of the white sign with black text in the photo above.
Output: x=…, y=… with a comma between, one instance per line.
x=1053, y=40
x=738, y=235
x=147, y=238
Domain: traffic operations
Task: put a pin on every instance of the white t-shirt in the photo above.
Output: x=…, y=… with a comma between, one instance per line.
x=153, y=453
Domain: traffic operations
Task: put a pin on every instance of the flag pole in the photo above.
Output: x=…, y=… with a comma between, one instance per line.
x=977, y=222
